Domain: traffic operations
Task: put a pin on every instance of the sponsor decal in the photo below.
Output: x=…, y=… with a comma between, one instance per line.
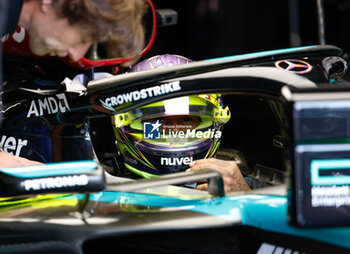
x=12, y=145
x=174, y=161
x=48, y=105
x=332, y=196
x=56, y=182
x=141, y=94
x=330, y=180
x=294, y=66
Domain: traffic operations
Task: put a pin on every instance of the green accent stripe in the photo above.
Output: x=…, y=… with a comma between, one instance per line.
x=139, y=172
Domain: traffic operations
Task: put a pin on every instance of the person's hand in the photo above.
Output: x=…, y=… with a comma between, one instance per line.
x=231, y=175
x=8, y=160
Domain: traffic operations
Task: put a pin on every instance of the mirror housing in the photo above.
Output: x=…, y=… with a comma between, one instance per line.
x=319, y=156
x=64, y=177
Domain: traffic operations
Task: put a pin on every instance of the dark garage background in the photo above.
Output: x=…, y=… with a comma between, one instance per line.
x=215, y=28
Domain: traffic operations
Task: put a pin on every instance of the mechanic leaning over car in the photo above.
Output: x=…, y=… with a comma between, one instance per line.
x=69, y=27
x=174, y=135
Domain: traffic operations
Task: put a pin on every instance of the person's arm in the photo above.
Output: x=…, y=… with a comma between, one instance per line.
x=232, y=176
x=8, y=160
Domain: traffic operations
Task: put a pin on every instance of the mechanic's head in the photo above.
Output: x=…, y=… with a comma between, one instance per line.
x=165, y=136
x=69, y=27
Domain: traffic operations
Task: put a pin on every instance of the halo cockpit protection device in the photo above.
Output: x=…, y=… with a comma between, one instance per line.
x=165, y=136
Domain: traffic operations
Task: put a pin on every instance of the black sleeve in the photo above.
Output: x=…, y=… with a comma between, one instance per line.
x=2, y=29
x=10, y=11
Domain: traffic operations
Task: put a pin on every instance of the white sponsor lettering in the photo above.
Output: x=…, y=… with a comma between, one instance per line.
x=175, y=161
x=56, y=182
x=330, y=190
x=330, y=196
x=12, y=145
x=142, y=94
x=48, y=105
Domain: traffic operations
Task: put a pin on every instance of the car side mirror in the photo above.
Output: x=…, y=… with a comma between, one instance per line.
x=63, y=177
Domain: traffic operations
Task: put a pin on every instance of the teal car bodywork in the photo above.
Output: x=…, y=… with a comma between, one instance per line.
x=77, y=207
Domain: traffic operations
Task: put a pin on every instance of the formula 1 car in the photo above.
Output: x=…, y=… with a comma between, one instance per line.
x=289, y=122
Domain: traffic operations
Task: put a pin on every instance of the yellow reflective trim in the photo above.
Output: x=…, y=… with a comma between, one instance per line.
x=139, y=172
x=5, y=201
x=50, y=201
